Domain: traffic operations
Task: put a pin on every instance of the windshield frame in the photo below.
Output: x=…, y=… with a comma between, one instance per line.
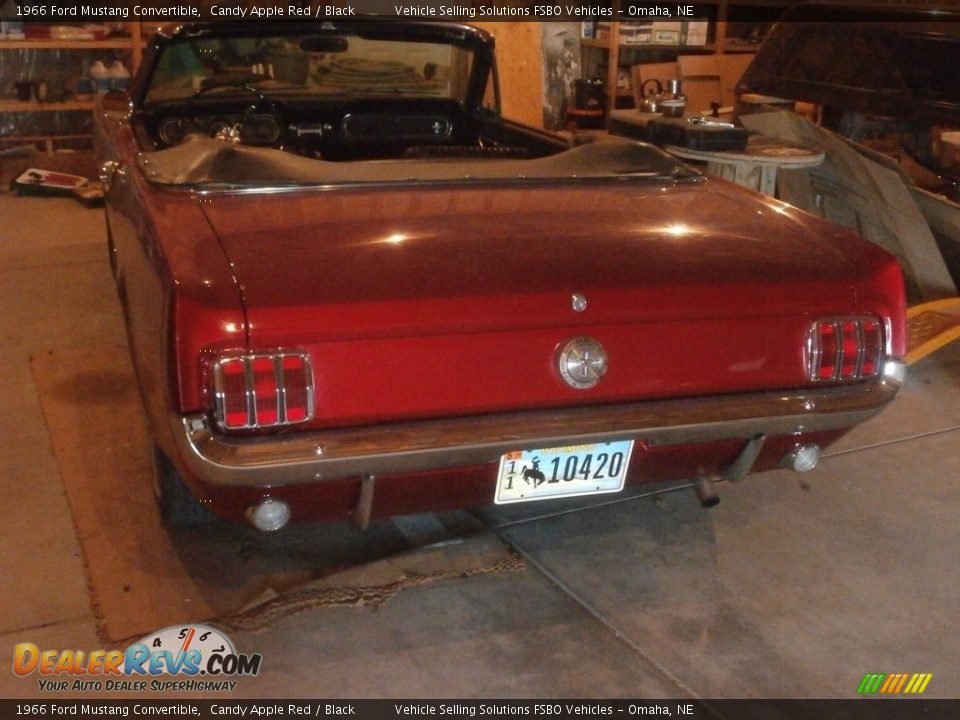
x=473, y=40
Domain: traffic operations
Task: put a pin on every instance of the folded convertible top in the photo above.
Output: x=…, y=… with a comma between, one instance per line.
x=200, y=160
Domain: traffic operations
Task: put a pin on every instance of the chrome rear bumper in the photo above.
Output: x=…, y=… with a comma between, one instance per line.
x=310, y=457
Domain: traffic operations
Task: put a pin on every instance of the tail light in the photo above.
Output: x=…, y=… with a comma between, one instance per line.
x=845, y=349
x=262, y=390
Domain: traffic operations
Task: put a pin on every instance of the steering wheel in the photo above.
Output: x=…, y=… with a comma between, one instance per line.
x=270, y=106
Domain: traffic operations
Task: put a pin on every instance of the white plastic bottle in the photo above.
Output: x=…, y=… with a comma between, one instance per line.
x=100, y=76
x=119, y=76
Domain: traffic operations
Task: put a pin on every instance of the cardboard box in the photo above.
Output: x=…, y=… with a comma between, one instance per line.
x=667, y=32
x=636, y=33
x=695, y=32
x=950, y=149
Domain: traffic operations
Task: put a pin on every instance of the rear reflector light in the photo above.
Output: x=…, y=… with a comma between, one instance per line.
x=262, y=390
x=265, y=390
x=232, y=393
x=844, y=349
x=299, y=388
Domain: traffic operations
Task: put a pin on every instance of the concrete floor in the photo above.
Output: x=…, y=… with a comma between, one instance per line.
x=794, y=586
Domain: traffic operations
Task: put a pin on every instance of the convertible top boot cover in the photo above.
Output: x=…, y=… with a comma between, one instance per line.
x=200, y=160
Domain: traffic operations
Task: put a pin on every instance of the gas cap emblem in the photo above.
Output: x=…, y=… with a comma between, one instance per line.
x=583, y=361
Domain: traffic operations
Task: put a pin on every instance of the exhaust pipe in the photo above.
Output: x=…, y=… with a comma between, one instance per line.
x=736, y=471
x=706, y=492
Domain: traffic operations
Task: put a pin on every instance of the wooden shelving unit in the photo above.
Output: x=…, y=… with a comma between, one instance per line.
x=134, y=43
x=18, y=106
x=650, y=47
x=116, y=44
x=723, y=43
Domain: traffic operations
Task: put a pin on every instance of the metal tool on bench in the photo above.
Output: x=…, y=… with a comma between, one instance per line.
x=709, y=122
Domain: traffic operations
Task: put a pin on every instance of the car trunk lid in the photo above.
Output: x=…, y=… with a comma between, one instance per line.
x=429, y=302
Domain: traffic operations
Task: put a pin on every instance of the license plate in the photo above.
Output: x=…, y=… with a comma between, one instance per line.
x=587, y=469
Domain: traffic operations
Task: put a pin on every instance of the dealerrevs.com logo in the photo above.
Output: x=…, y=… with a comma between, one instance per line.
x=187, y=652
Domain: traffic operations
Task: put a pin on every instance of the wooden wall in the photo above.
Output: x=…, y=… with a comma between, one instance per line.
x=520, y=64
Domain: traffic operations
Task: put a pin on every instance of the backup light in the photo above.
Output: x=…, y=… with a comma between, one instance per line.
x=803, y=458
x=262, y=390
x=844, y=349
x=269, y=514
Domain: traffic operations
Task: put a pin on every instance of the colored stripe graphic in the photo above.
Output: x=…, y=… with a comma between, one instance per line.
x=894, y=683
x=870, y=683
x=903, y=679
x=918, y=683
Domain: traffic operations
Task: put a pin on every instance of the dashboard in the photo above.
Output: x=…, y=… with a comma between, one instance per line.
x=252, y=129
x=346, y=130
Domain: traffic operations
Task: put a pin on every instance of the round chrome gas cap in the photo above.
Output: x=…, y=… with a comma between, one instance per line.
x=582, y=362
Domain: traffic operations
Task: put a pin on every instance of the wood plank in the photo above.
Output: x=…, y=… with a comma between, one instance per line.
x=142, y=576
x=119, y=44
x=691, y=66
x=103, y=455
x=930, y=327
x=731, y=69
x=865, y=196
x=521, y=79
x=13, y=106
x=943, y=216
x=701, y=92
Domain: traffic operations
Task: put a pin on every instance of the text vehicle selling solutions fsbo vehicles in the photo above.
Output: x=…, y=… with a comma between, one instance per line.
x=353, y=289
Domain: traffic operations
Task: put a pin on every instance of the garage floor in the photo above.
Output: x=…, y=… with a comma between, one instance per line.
x=794, y=586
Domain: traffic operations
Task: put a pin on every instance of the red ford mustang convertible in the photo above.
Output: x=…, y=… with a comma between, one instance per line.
x=353, y=289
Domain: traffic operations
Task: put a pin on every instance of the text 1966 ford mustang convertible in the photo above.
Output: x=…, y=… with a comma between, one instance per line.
x=352, y=289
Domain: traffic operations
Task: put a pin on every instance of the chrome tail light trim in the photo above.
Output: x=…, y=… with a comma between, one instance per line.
x=815, y=352
x=252, y=419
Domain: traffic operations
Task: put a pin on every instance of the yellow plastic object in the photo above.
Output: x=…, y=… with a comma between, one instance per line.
x=930, y=326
